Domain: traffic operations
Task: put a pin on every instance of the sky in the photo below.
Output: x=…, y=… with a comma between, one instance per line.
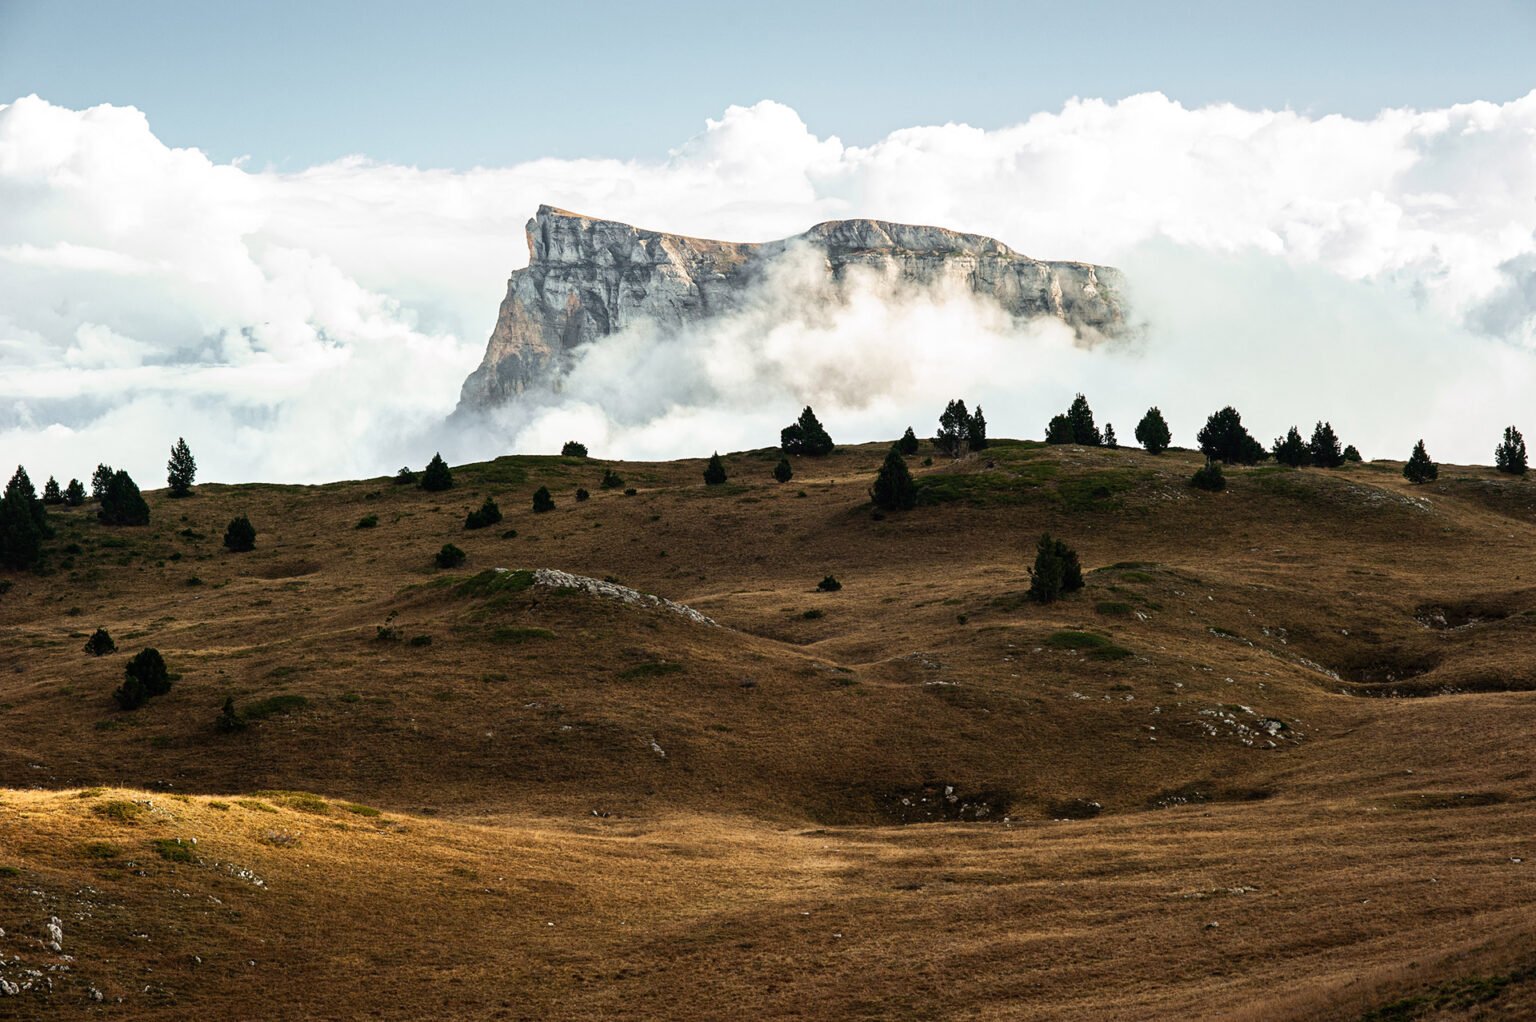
x=283, y=230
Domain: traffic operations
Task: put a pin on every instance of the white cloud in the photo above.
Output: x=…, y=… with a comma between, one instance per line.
x=317, y=324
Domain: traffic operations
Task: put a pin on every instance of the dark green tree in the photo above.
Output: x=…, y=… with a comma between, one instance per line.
x=1509, y=456
x=487, y=514
x=240, y=535
x=130, y=695
x=229, y=719
x=74, y=494
x=148, y=667
x=1325, y=448
x=1058, y=430
x=405, y=477
x=23, y=523
x=829, y=584
x=908, y=442
x=805, y=436
x=122, y=503
x=574, y=449
x=1223, y=438
x=894, y=489
x=100, y=480
x=954, y=435
x=582, y=494
x=714, y=472
x=51, y=492
x=1419, y=468
x=1209, y=477
x=783, y=471
x=1351, y=453
x=437, y=477
x=542, y=501
x=611, y=480
x=1110, y=440
x=976, y=435
x=449, y=556
x=1292, y=450
x=1152, y=432
x=1057, y=571
x=181, y=469
x=100, y=643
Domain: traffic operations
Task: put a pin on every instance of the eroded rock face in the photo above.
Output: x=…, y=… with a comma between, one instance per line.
x=588, y=278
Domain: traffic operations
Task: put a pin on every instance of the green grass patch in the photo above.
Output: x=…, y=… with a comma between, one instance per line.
x=1453, y=995
x=101, y=850
x=119, y=811
x=493, y=583
x=1113, y=608
x=1099, y=647
x=360, y=810
x=173, y=850
x=273, y=705
x=304, y=801
x=519, y=633
x=255, y=805
x=10, y=871
x=987, y=488
x=651, y=669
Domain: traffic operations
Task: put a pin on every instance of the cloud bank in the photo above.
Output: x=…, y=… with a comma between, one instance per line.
x=315, y=325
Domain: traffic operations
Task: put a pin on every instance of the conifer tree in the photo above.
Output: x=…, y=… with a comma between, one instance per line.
x=542, y=501
x=1152, y=432
x=908, y=442
x=1223, y=438
x=611, y=480
x=437, y=477
x=122, y=503
x=229, y=719
x=181, y=469
x=894, y=489
x=953, y=437
x=100, y=643
x=1056, y=573
x=1110, y=440
x=1325, y=449
x=1509, y=456
x=1292, y=450
x=1351, y=453
x=51, y=492
x=240, y=535
x=1075, y=426
x=1419, y=468
x=573, y=449
x=23, y=524
x=1058, y=430
x=99, y=480
x=976, y=434
x=806, y=436
x=714, y=472
x=783, y=472
x=488, y=514
x=74, y=494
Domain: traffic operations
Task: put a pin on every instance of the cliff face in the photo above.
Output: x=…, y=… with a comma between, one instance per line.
x=589, y=278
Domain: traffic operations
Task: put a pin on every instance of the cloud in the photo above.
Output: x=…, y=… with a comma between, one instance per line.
x=317, y=324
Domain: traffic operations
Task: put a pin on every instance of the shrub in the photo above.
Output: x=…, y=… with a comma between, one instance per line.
x=573, y=449
x=240, y=535
x=487, y=515
x=450, y=556
x=829, y=585
x=23, y=523
x=908, y=442
x=542, y=501
x=714, y=472
x=51, y=492
x=611, y=480
x=99, y=480
x=437, y=477
x=1075, y=426
x=367, y=522
x=122, y=503
x=100, y=643
x=181, y=469
x=1419, y=468
x=1152, y=432
x=783, y=472
x=805, y=436
x=1056, y=573
x=405, y=477
x=74, y=494
x=1324, y=447
x=1110, y=440
x=1509, y=456
x=1292, y=450
x=229, y=719
x=581, y=494
x=1223, y=438
x=894, y=489
x=631, y=492
x=148, y=666
x=1352, y=454
x=1209, y=477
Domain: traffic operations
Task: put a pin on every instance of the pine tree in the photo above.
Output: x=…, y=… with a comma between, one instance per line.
x=181, y=469
x=783, y=472
x=488, y=514
x=100, y=643
x=1326, y=452
x=1223, y=438
x=229, y=719
x=908, y=442
x=122, y=503
x=74, y=494
x=1509, y=456
x=976, y=435
x=240, y=535
x=806, y=436
x=894, y=489
x=1058, y=430
x=1152, y=432
x=1292, y=450
x=1110, y=439
x=542, y=501
x=51, y=492
x=1083, y=430
x=1419, y=468
x=714, y=472
x=1057, y=571
x=22, y=523
x=100, y=480
x=953, y=437
x=573, y=449
x=437, y=477
x=1351, y=453
x=611, y=480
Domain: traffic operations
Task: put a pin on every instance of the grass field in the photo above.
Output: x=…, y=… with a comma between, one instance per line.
x=1273, y=763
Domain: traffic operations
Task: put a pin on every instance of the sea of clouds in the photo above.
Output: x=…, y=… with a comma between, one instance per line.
x=316, y=325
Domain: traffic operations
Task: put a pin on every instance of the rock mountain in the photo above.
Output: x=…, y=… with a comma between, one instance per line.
x=588, y=278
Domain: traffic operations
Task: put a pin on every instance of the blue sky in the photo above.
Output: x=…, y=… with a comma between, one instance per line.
x=455, y=85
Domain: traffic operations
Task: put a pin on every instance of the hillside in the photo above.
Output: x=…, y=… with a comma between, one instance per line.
x=1299, y=710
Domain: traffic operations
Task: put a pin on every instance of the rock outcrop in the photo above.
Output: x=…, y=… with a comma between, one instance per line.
x=589, y=278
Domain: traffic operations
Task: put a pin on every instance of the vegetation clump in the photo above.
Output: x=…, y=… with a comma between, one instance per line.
x=1223, y=438
x=582, y=494
x=437, y=476
x=449, y=556
x=367, y=522
x=573, y=449
x=1324, y=447
x=1509, y=456
x=908, y=442
x=1110, y=440
x=74, y=494
x=714, y=472
x=1420, y=469
x=121, y=502
x=894, y=489
x=23, y=523
x=1352, y=454
x=1291, y=450
x=1074, y=426
x=486, y=515
x=959, y=430
x=829, y=584
x=611, y=480
x=1152, y=432
x=51, y=493
x=240, y=535
x=805, y=435
x=229, y=719
x=99, y=480
x=1057, y=572
x=783, y=472
x=1209, y=477
x=100, y=643
x=145, y=676
x=181, y=469
x=542, y=501
x=405, y=477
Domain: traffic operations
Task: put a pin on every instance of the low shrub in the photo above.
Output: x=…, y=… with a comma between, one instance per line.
x=449, y=556
x=829, y=585
x=542, y=501
x=100, y=643
x=367, y=522
x=1209, y=477
x=581, y=495
x=487, y=515
x=573, y=449
x=240, y=535
x=611, y=480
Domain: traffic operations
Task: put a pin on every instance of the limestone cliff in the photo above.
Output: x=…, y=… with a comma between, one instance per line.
x=588, y=278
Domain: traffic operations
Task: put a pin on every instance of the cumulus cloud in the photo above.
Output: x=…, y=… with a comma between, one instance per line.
x=317, y=324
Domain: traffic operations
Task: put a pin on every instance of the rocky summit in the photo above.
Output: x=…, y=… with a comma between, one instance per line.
x=588, y=278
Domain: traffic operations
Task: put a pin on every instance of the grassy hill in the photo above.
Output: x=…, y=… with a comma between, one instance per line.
x=1273, y=762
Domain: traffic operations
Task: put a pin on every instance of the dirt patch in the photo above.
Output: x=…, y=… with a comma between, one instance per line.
x=288, y=569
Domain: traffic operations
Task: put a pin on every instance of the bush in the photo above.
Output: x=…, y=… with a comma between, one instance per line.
x=144, y=676
x=130, y=695
x=1419, y=468
x=804, y=436
x=405, y=477
x=783, y=472
x=714, y=472
x=1223, y=438
x=1152, y=432
x=1324, y=447
x=51, y=492
x=1351, y=454
x=572, y=449
x=631, y=492
x=894, y=489
x=122, y=503
x=1509, y=456
x=611, y=480
x=542, y=501
x=450, y=556
x=581, y=495
x=1209, y=477
x=100, y=643
x=367, y=522
x=240, y=535
x=1074, y=426
x=437, y=477
x=1056, y=573
x=908, y=442
x=487, y=515
x=829, y=585
x=1292, y=450
x=74, y=494
x=229, y=719
x=23, y=523
x=181, y=469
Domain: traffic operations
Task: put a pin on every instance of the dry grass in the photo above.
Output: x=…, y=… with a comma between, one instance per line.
x=1303, y=705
